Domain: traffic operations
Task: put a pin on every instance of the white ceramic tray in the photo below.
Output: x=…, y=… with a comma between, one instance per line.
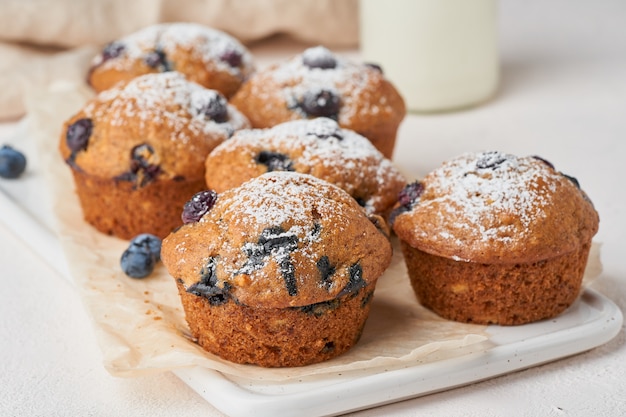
x=592, y=321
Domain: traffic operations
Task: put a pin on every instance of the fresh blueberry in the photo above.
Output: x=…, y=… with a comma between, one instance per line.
x=12, y=162
x=490, y=160
x=319, y=57
x=78, y=134
x=232, y=58
x=213, y=106
x=150, y=242
x=198, y=206
x=274, y=161
x=112, y=50
x=158, y=60
x=137, y=261
x=321, y=103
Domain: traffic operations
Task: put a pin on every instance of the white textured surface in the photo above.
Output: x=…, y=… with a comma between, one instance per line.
x=563, y=97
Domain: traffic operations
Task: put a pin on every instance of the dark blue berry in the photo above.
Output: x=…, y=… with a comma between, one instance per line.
x=572, y=179
x=545, y=161
x=150, y=242
x=490, y=160
x=321, y=103
x=325, y=128
x=273, y=240
x=137, y=261
x=198, y=206
x=374, y=66
x=112, y=50
x=356, y=281
x=215, y=107
x=158, y=60
x=319, y=57
x=232, y=58
x=274, y=161
x=78, y=134
x=12, y=162
x=327, y=270
x=410, y=193
x=208, y=287
x=141, y=169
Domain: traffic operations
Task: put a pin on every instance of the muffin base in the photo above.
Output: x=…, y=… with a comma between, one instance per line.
x=505, y=294
x=117, y=208
x=270, y=337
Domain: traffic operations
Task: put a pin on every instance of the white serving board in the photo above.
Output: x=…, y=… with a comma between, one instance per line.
x=592, y=321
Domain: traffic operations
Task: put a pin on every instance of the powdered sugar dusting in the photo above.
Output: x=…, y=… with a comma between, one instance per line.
x=206, y=44
x=495, y=196
x=163, y=98
x=321, y=142
x=296, y=79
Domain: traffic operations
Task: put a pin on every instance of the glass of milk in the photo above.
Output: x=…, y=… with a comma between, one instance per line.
x=440, y=54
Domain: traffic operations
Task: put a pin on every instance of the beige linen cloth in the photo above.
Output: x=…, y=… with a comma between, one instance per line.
x=40, y=38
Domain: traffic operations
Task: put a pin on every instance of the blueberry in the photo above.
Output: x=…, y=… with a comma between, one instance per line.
x=112, y=50
x=545, y=161
x=158, y=60
x=213, y=106
x=407, y=197
x=274, y=161
x=232, y=58
x=319, y=57
x=141, y=169
x=137, y=261
x=321, y=103
x=208, y=287
x=198, y=206
x=326, y=269
x=356, y=281
x=12, y=162
x=410, y=193
x=325, y=128
x=490, y=160
x=78, y=134
x=151, y=242
x=572, y=179
x=374, y=66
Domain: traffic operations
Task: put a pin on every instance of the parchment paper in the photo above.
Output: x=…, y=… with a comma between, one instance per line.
x=140, y=324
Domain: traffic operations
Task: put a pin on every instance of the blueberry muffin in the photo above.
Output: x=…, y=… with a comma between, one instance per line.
x=318, y=147
x=494, y=238
x=137, y=151
x=319, y=83
x=206, y=56
x=277, y=272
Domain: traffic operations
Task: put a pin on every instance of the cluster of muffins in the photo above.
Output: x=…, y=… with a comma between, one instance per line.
x=276, y=198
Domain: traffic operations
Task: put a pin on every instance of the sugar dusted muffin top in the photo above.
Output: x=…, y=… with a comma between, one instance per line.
x=319, y=83
x=280, y=240
x=492, y=207
x=207, y=56
x=318, y=147
x=156, y=125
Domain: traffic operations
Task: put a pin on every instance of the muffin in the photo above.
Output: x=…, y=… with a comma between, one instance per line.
x=318, y=83
x=137, y=151
x=278, y=272
x=494, y=238
x=206, y=56
x=318, y=147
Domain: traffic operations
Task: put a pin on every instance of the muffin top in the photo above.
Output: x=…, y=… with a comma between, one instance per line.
x=155, y=126
x=318, y=147
x=207, y=56
x=280, y=240
x=493, y=207
x=319, y=83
